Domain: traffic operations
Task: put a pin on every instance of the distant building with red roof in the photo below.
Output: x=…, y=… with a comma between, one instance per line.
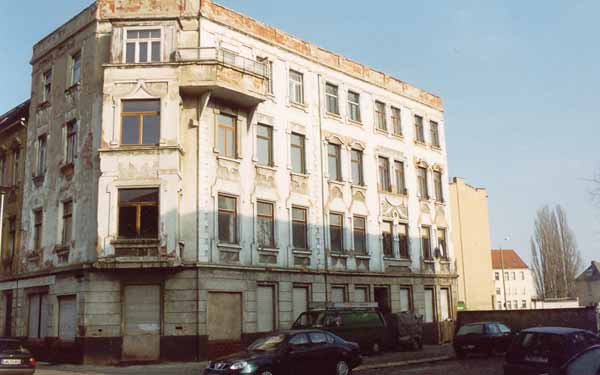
x=514, y=283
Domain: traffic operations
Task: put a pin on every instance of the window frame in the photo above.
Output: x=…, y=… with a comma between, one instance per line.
x=140, y=116
x=434, y=129
x=269, y=141
x=384, y=183
x=438, y=182
x=387, y=238
x=444, y=242
x=228, y=130
x=426, y=242
x=362, y=231
x=38, y=229
x=332, y=99
x=271, y=219
x=16, y=160
x=12, y=235
x=404, y=241
x=67, y=217
x=3, y=169
x=338, y=162
x=423, y=182
x=138, y=206
x=234, y=213
x=359, y=163
x=301, y=148
x=71, y=141
x=304, y=224
x=294, y=85
x=419, y=129
x=411, y=304
x=149, y=40
x=47, y=78
x=354, y=107
x=396, y=121
x=400, y=177
x=380, y=116
x=341, y=232
x=42, y=150
x=75, y=66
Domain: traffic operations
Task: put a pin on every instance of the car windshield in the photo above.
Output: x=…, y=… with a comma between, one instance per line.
x=470, y=329
x=310, y=319
x=267, y=343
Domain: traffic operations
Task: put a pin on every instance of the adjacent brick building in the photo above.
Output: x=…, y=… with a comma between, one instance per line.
x=196, y=178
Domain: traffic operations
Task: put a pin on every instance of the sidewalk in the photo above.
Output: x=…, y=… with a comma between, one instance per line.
x=388, y=359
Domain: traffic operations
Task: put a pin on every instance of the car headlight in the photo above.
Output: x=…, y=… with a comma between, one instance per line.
x=238, y=365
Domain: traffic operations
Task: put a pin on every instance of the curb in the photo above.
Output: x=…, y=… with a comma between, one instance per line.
x=401, y=363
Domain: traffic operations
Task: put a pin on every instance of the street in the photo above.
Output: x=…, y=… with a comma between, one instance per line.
x=473, y=366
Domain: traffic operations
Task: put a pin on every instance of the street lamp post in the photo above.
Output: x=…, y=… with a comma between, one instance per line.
x=502, y=266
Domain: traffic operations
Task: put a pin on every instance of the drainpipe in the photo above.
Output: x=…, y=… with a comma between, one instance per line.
x=326, y=256
x=1, y=216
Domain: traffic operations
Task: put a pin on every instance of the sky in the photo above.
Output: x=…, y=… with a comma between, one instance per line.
x=519, y=81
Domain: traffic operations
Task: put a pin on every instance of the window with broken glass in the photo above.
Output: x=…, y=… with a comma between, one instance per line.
x=139, y=213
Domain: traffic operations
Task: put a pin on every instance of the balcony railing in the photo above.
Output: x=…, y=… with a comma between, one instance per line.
x=222, y=56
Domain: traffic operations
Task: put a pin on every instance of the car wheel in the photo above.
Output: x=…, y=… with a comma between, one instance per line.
x=342, y=368
x=376, y=348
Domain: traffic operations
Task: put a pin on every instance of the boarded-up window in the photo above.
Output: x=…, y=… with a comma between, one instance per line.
x=429, y=306
x=224, y=316
x=67, y=314
x=142, y=309
x=405, y=299
x=266, y=308
x=38, y=316
x=361, y=294
x=300, y=301
x=338, y=294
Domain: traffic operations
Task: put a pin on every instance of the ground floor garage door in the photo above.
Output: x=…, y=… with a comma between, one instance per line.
x=141, y=338
x=224, y=323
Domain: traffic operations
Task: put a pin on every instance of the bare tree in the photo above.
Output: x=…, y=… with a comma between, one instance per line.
x=556, y=259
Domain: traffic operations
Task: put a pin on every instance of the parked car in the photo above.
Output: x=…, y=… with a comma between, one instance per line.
x=546, y=350
x=295, y=352
x=410, y=329
x=363, y=325
x=15, y=359
x=486, y=338
x=586, y=362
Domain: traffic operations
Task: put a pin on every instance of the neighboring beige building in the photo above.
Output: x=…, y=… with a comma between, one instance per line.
x=516, y=291
x=196, y=178
x=472, y=244
x=587, y=285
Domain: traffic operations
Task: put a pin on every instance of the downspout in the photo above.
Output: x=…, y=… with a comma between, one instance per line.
x=462, y=249
x=325, y=255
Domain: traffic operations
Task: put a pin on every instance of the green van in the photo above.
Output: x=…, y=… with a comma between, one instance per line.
x=363, y=325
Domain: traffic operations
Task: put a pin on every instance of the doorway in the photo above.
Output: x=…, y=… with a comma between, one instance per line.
x=382, y=297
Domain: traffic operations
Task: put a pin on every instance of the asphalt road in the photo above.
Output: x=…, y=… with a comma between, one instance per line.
x=471, y=366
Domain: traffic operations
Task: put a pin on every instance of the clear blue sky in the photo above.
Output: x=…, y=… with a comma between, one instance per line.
x=519, y=80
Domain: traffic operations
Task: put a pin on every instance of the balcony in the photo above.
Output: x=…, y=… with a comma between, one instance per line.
x=225, y=74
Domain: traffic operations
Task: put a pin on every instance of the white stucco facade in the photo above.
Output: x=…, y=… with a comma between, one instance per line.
x=519, y=286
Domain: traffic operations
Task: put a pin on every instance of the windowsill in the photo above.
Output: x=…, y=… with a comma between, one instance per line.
x=266, y=167
x=132, y=148
x=304, y=252
x=300, y=106
x=336, y=182
x=420, y=143
x=62, y=250
x=359, y=187
x=272, y=250
x=229, y=159
x=385, y=191
x=229, y=247
x=354, y=122
x=436, y=148
x=338, y=254
x=428, y=260
x=134, y=241
x=301, y=175
x=440, y=203
x=67, y=169
x=445, y=260
x=333, y=116
x=44, y=104
x=362, y=256
x=38, y=180
x=396, y=259
x=382, y=131
x=425, y=199
x=398, y=136
x=73, y=87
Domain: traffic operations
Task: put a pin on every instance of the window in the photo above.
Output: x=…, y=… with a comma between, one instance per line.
x=435, y=134
x=508, y=292
x=498, y=291
x=384, y=174
x=67, y=222
x=227, y=136
x=523, y=304
x=266, y=225
x=227, y=219
x=12, y=235
x=514, y=276
x=499, y=305
x=47, y=85
x=386, y=239
x=296, y=87
x=406, y=300
x=332, y=98
x=15, y=167
x=506, y=276
x=522, y=275
x=298, y=153
x=516, y=304
x=334, y=162
x=299, y=341
x=138, y=213
x=142, y=46
x=508, y=305
x=75, y=68
x=397, y=121
x=429, y=316
x=439, y=190
x=380, y=121
x=41, y=157
x=361, y=294
x=419, y=131
x=338, y=294
x=360, y=234
x=354, y=106
x=422, y=182
x=38, y=316
x=299, y=232
x=336, y=232
x=400, y=180
x=264, y=144
x=318, y=338
x=497, y=276
x=403, y=240
x=38, y=222
x=140, y=122
x=268, y=71
x=441, y=242
x=445, y=306
x=426, y=242
x=3, y=171
x=71, y=139
x=357, y=168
